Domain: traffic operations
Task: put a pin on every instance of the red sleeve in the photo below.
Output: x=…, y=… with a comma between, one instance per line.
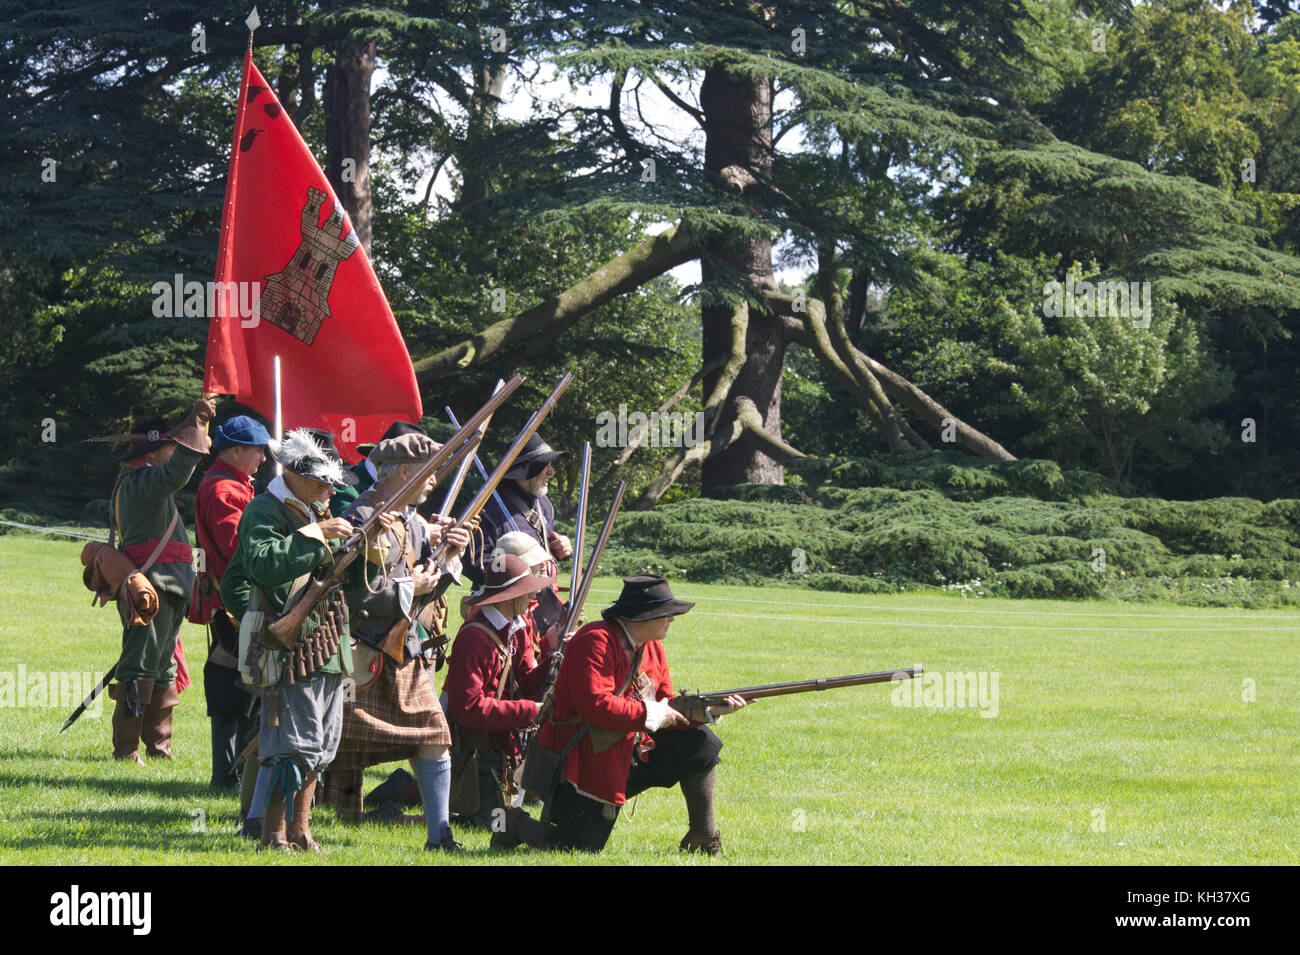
x=592, y=672
x=473, y=664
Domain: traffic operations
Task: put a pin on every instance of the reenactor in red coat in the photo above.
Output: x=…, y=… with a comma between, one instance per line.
x=613, y=687
x=494, y=680
x=226, y=488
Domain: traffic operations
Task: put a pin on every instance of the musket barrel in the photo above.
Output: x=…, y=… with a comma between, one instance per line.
x=463, y=442
x=812, y=686
x=485, y=492
x=580, y=528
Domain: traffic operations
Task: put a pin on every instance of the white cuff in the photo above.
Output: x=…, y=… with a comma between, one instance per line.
x=405, y=595
x=656, y=711
x=450, y=566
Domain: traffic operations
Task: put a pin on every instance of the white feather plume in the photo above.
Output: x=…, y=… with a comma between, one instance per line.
x=300, y=444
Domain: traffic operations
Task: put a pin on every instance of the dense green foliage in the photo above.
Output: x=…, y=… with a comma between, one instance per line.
x=944, y=179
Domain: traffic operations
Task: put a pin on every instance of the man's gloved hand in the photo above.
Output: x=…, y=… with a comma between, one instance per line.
x=192, y=433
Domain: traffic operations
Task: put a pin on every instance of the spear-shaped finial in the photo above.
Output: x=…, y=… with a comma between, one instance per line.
x=253, y=21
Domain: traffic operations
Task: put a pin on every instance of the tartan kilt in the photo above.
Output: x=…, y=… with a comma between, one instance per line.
x=396, y=712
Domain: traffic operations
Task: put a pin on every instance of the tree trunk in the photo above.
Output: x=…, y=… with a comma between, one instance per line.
x=489, y=84
x=347, y=135
x=738, y=150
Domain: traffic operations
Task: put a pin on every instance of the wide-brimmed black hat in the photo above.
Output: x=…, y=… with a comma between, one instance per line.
x=533, y=459
x=646, y=598
x=310, y=453
x=147, y=434
x=395, y=430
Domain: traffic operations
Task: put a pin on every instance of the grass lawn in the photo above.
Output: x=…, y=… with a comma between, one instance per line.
x=1123, y=734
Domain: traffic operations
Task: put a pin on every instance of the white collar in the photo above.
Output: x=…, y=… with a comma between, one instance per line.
x=279, y=489
x=498, y=619
x=370, y=469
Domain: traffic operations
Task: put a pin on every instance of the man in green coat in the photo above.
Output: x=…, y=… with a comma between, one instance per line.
x=286, y=533
x=143, y=513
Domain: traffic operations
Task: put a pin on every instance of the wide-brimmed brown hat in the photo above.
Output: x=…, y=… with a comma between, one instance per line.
x=507, y=577
x=646, y=598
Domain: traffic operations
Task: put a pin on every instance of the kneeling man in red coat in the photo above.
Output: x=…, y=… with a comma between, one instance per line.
x=613, y=687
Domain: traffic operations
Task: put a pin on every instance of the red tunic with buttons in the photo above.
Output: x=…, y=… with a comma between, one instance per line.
x=595, y=666
x=474, y=672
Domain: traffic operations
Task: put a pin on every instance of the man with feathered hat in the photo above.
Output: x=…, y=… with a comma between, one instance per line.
x=286, y=532
x=142, y=510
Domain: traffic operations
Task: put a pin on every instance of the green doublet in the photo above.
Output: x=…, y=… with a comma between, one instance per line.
x=144, y=508
x=274, y=547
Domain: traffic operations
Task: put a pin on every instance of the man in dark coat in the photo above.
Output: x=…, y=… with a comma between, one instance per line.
x=527, y=508
x=394, y=712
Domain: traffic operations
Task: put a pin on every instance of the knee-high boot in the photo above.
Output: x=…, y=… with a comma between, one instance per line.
x=128, y=718
x=156, y=732
x=300, y=828
x=273, y=826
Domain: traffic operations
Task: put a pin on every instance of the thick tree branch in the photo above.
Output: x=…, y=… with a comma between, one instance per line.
x=635, y=439
x=620, y=275
x=752, y=422
x=834, y=308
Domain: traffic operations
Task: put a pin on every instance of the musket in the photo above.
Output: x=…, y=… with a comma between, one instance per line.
x=688, y=701
x=483, y=472
x=471, y=511
x=287, y=626
x=76, y=714
x=580, y=529
x=453, y=489
x=396, y=636
x=395, y=639
x=576, y=599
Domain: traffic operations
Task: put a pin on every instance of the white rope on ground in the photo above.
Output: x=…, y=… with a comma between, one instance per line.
x=1261, y=615
x=977, y=626
x=56, y=530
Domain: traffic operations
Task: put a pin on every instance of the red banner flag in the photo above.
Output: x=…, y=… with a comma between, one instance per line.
x=293, y=281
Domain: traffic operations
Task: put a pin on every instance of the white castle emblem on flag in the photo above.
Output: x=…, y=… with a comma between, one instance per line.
x=297, y=297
